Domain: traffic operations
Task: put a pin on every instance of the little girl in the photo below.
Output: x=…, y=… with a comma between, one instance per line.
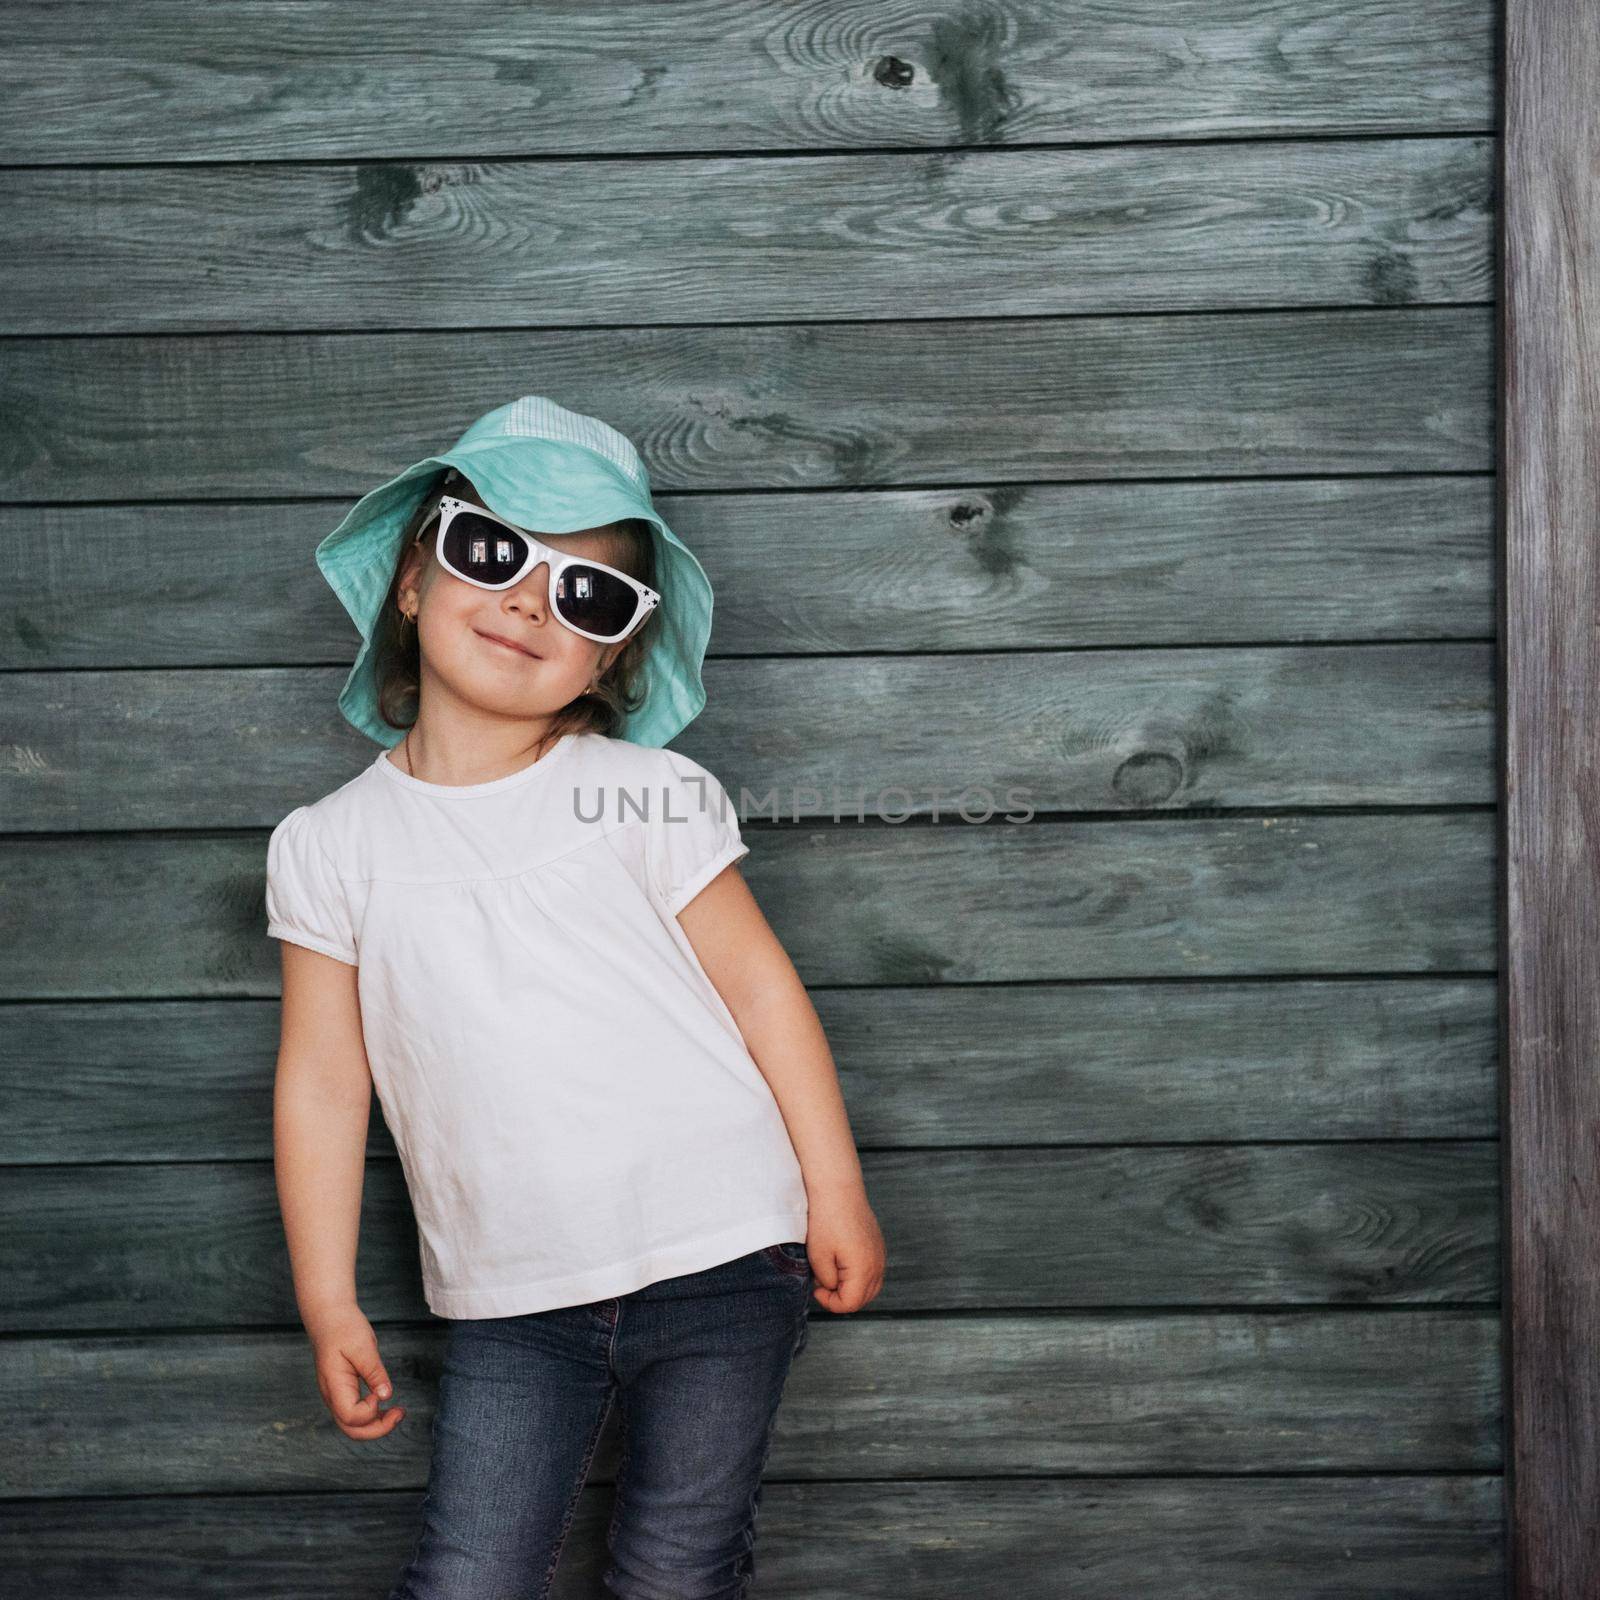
x=615, y=1109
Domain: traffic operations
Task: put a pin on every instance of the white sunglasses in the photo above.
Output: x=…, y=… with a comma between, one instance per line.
x=600, y=602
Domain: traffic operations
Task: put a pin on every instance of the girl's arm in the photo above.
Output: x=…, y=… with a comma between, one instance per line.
x=321, y=1101
x=758, y=982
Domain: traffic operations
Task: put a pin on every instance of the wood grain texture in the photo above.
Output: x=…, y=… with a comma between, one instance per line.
x=949, y=1065
x=159, y=1245
x=146, y=916
x=1111, y=391
x=752, y=239
x=779, y=406
x=871, y=1397
x=1070, y=731
x=250, y=79
x=1346, y=1538
x=1014, y=566
x=1550, y=474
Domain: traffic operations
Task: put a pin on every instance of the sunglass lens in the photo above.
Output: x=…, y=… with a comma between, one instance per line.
x=481, y=549
x=595, y=600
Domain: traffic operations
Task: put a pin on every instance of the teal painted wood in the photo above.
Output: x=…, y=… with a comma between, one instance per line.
x=952, y=234
x=154, y=1245
x=1006, y=734
x=1185, y=1132
x=1015, y=566
x=876, y=1397
x=257, y=80
x=948, y=1065
x=940, y=402
x=1275, y=895
x=1407, y=1538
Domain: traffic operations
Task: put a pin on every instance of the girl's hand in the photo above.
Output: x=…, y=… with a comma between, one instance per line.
x=846, y=1248
x=346, y=1352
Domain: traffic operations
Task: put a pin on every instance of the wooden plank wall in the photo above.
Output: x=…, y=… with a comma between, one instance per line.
x=1093, y=400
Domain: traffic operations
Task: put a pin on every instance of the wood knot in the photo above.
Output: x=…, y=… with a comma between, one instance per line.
x=893, y=73
x=1148, y=778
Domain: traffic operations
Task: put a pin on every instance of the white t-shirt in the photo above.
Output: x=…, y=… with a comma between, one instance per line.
x=576, y=1112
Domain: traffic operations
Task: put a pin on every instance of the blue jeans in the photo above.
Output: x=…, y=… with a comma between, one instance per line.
x=697, y=1365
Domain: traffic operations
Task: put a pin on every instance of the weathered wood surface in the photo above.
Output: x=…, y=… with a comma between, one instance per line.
x=1219, y=1231
x=167, y=81
x=947, y=1065
x=136, y=916
x=1349, y=1538
x=871, y=1397
x=1060, y=731
x=157, y=1245
x=1550, y=463
x=948, y=234
x=1023, y=566
x=780, y=406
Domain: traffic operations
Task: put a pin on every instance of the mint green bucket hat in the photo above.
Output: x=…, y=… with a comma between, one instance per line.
x=549, y=470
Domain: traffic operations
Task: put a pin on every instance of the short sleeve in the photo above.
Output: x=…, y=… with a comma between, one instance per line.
x=694, y=830
x=306, y=902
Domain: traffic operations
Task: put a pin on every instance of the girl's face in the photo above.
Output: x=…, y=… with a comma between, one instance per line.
x=501, y=651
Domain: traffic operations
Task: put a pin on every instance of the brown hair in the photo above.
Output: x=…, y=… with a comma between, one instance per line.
x=397, y=656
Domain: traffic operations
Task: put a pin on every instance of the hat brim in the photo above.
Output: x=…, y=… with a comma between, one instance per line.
x=547, y=486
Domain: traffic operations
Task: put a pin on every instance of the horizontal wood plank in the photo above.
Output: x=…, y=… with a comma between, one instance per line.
x=859, y=903
x=995, y=734
x=249, y=79
x=1407, y=1538
x=767, y=405
x=175, y=1245
x=965, y=233
x=870, y=1397
x=950, y=1065
x=1039, y=566
x=1348, y=1538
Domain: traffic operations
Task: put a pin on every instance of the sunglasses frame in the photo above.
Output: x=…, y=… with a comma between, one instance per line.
x=447, y=508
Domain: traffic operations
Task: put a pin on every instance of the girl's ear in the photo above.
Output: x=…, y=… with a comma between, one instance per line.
x=411, y=567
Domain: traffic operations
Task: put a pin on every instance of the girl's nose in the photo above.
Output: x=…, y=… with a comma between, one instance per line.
x=532, y=595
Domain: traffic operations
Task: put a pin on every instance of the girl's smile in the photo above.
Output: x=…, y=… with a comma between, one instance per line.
x=508, y=644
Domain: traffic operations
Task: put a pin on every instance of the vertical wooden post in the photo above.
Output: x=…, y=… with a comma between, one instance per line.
x=1549, y=459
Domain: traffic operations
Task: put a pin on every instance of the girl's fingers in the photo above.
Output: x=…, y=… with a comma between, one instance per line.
x=851, y=1297
x=359, y=1416
x=344, y=1396
x=377, y=1379
x=341, y=1370
x=386, y=1423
